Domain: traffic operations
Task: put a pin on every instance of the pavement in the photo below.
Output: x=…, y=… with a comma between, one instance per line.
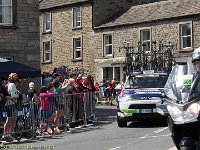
x=103, y=101
x=96, y=124
x=81, y=128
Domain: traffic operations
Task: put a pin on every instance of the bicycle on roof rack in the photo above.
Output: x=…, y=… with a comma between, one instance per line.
x=159, y=57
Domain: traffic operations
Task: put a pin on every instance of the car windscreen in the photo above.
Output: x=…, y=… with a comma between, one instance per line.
x=146, y=81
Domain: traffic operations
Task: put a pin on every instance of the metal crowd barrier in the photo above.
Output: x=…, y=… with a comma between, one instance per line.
x=55, y=111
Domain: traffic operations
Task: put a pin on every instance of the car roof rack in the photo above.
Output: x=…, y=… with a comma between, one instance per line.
x=158, y=56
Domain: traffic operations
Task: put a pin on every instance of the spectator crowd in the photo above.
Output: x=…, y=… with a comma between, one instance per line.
x=74, y=84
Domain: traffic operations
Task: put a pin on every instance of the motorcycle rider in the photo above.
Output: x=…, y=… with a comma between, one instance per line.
x=196, y=62
x=196, y=77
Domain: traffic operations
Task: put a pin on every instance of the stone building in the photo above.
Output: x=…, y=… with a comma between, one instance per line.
x=19, y=34
x=88, y=33
x=66, y=29
x=175, y=21
x=66, y=35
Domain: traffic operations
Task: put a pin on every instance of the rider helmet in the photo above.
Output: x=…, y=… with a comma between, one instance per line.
x=13, y=77
x=196, y=55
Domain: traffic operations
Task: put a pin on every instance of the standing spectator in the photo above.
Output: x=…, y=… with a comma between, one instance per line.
x=32, y=96
x=85, y=83
x=112, y=88
x=44, y=112
x=32, y=93
x=78, y=85
x=90, y=81
x=50, y=89
x=71, y=88
x=74, y=76
x=3, y=96
x=59, y=102
x=10, y=106
x=57, y=77
x=104, y=86
x=97, y=91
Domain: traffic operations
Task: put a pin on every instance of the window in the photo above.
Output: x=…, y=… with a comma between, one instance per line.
x=107, y=45
x=108, y=73
x=77, y=48
x=117, y=74
x=145, y=39
x=185, y=36
x=76, y=17
x=47, y=51
x=6, y=12
x=47, y=22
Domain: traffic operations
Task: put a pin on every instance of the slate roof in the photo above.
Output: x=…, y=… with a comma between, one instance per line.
x=46, y=4
x=155, y=11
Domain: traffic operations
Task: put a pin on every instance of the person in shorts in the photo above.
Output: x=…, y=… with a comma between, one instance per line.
x=44, y=112
x=58, y=101
x=10, y=106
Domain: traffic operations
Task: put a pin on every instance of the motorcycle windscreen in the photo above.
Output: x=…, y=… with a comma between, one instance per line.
x=178, y=85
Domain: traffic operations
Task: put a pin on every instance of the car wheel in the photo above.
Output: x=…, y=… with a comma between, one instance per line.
x=121, y=123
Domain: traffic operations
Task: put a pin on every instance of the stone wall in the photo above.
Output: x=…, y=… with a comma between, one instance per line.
x=62, y=39
x=21, y=40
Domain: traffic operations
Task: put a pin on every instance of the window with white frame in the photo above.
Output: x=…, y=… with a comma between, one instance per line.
x=6, y=12
x=47, y=51
x=47, y=22
x=185, y=36
x=145, y=39
x=76, y=17
x=77, y=48
x=107, y=44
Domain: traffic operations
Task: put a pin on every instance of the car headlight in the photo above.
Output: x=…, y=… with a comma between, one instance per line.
x=126, y=99
x=191, y=113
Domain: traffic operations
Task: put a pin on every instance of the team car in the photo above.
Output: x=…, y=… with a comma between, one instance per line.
x=139, y=95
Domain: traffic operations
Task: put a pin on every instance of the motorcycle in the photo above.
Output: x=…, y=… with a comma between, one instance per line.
x=181, y=104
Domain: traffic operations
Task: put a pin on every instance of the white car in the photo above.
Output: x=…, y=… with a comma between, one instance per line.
x=138, y=97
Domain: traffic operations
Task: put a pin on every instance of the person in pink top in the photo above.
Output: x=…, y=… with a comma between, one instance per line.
x=44, y=113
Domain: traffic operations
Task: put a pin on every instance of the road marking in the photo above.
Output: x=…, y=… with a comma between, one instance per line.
x=157, y=131
x=154, y=136
x=144, y=136
x=160, y=130
x=173, y=148
x=160, y=135
x=114, y=148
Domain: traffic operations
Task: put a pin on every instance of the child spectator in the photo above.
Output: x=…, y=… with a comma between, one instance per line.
x=97, y=91
x=44, y=112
